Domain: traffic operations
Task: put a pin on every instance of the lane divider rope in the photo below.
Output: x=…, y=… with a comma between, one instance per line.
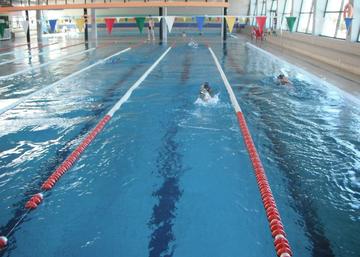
x=10, y=47
x=45, y=64
x=44, y=89
x=281, y=243
x=65, y=166
x=40, y=45
x=39, y=54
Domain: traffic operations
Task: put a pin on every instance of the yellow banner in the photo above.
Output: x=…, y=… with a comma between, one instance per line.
x=80, y=24
x=230, y=20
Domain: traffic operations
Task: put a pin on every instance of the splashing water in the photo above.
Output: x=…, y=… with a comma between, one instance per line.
x=211, y=102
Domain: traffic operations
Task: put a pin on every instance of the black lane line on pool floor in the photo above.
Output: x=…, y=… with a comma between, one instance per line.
x=61, y=154
x=169, y=168
x=303, y=205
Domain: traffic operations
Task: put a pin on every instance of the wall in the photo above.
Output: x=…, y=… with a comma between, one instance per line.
x=341, y=54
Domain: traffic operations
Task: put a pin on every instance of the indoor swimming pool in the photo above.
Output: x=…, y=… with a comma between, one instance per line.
x=170, y=175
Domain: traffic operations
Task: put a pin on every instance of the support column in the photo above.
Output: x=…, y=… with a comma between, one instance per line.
x=355, y=27
x=93, y=26
x=86, y=32
x=28, y=32
x=39, y=28
x=161, y=24
x=164, y=27
x=224, y=28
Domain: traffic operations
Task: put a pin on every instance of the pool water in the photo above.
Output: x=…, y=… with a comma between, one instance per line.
x=169, y=176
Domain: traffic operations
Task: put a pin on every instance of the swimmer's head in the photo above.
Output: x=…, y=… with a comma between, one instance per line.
x=281, y=76
x=206, y=85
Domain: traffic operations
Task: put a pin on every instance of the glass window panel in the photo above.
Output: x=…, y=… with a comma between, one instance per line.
x=341, y=33
x=303, y=22
x=288, y=6
x=306, y=5
x=273, y=5
x=334, y=5
x=330, y=24
x=310, y=27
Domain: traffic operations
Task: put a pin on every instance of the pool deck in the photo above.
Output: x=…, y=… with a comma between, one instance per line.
x=348, y=82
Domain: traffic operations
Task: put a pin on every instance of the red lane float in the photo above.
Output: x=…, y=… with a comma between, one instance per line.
x=74, y=156
x=34, y=201
x=281, y=244
x=3, y=242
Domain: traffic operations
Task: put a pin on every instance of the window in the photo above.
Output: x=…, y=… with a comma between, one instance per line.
x=305, y=22
x=255, y=12
x=285, y=13
x=273, y=14
x=334, y=24
x=259, y=9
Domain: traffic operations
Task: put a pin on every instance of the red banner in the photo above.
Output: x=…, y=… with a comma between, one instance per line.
x=109, y=24
x=261, y=22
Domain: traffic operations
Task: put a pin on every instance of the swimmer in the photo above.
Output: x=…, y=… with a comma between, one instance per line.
x=205, y=92
x=193, y=44
x=283, y=80
x=151, y=26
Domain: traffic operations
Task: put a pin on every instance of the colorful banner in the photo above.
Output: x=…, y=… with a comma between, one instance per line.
x=2, y=29
x=109, y=22
x=25, y=25
x=169, y=22
x=348, y=22
x=261, y=22
x=140, y=21
x=99, y=20
x=200, y=22
x=80, y=24
x=52, y=25
x=291, y=22
x=230, y=21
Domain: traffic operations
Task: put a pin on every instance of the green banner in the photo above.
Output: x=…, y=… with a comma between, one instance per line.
x=140, y=23
x=2, y=28
x=291, y=22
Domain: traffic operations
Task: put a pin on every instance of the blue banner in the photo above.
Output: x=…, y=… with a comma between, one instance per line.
x=52, y=25
x=348, y=22
x=200, y=22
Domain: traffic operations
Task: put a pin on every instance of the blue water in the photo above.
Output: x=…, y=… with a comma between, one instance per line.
x=170, y=177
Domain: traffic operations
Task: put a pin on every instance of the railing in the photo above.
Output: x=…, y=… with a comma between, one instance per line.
x=66, y=2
